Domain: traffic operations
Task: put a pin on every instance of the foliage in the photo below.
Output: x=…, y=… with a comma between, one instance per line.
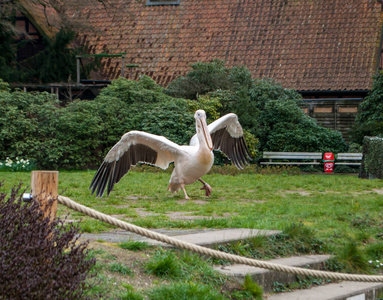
x=352, y=258
x=372, y=163
x=165, y=264
x=143, y=91
x=27, y=127
x=7, y=53
x=268, y=111
x=281, y=125
x=208, y=77
x=190, y=291
x=78, y=135
x=252, y=287
x=55, y=63
x=39, y=259
x=295, y=239
x=131, y=294
x=121, y=269
x=369, y=120
x=184, y=266
x=134, y=245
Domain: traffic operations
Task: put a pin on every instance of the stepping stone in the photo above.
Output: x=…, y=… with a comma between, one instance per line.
x=219, y=237
x=345, y=290
x=202, y=237
x=266, y=278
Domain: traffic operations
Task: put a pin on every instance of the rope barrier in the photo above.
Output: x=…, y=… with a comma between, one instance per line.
x=213, y=253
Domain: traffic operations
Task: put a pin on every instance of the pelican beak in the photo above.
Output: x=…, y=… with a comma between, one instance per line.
x=206, y=134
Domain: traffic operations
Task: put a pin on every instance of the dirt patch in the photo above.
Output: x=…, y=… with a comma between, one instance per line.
x=303, y=193
x=187, y=215
x=182, y=202
x=120, y=216
x=133, y=260
x=378, y=191
x=122, y=206
x=183, y=215
x=246, y=201
x=143, y=213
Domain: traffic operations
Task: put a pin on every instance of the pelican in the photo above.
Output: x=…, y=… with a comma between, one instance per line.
x=190, y=162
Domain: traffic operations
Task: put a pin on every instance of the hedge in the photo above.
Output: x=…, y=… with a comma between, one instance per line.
x=372, y=162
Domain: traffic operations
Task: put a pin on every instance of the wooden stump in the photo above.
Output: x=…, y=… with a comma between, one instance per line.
x=44, y=186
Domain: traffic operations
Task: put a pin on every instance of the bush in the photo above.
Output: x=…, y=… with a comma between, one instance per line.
x=33, y=125
x=372, y=163
x=265, y=109
x=273, y=114
x=39, y=259
x=369, y=120
x=209, y=77
x=27, y=129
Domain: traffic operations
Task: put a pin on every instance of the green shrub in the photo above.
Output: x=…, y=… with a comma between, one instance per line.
x=372, y=163
x=208, y=77
x=33, y=125
x=143, y=91
x=26, y=127
x=273, y=114
x=369, y=120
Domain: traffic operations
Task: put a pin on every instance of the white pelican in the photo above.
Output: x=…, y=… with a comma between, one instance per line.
x=190, y=162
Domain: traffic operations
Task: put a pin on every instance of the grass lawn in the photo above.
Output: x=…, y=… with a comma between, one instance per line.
x=338, y=209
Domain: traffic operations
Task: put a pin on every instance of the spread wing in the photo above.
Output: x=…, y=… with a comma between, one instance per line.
x=134, y=147
x=227, y=136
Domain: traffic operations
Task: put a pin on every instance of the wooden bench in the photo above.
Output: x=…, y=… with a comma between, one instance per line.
x=294, y=158
x=350, y=159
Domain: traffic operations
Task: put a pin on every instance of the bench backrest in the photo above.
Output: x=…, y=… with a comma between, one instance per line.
x=292, y=155
x=349, y=156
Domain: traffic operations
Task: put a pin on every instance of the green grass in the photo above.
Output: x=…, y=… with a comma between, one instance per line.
x=185, y=290
x=336, y=214
x=134, y=245
x=121, y=269
x=337, y=207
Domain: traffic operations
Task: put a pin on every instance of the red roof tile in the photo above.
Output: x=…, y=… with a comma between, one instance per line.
x=305, y=45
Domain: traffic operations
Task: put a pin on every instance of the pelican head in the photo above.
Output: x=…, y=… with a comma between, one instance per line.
x=203, y=134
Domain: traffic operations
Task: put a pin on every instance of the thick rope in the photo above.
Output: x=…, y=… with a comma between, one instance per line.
x=214, y=253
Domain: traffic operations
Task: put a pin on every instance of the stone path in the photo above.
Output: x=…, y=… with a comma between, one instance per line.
x=266, y=278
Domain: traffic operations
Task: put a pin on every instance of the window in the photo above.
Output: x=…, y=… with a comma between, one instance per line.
x=322, y=110
x=163, y=2
x=348, y=109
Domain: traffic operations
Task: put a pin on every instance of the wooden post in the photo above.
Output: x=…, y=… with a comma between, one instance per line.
x=78, y=68
x=123, y=66
x=44, y=186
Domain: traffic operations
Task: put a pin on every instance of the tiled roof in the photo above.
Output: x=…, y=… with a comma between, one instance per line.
x=304, y=44
x=43, y=17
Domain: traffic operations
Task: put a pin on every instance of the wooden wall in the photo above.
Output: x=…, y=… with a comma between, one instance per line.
x=338, y=114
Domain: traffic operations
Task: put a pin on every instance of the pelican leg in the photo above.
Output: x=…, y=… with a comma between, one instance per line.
x=206, y=187
x=186, y=195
